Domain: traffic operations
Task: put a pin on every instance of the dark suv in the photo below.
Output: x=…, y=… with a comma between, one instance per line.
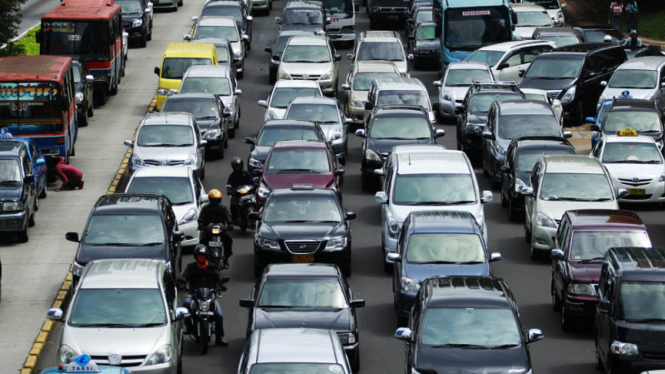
x=472, y=116
x=572, y=74
x=137, y=20
x=629, y=331
x=303, y=15
x=127, y=225
x=521, y=156
x=583, y=238
x=466, y=325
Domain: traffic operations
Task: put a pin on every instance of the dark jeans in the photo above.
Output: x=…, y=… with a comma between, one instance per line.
x=616, y=23
x=218, y=316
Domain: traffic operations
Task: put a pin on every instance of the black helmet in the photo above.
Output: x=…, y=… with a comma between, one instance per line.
x=237, y=161
x=200, y=250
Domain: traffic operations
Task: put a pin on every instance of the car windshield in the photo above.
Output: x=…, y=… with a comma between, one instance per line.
x=561, y=40
x=446, y=248
x=125, y=229
x=177, y=189
x=642, y=301
x=130, y=7
x=488, y=57
x=639, y=79
x=547, y=4
x=229, y=10
x=598, y=36
x=165, y=136
x=175, y=68
x=481, y=327
x=302, y=17
x=515, y=126
x=272, y=134
x=275, y=368
x=302, y=209
x=632, y=153
x=383, y=51
x=321, y=113
x=576, y=187
x=639, y=120
x=531, y=19
x=302, y=293
x=229, y=33
x=217, y=86
x=424, y=15
x=404, y=97
x=400, y=128
x=465, y=77
x=592, y=245
x=200, y=109
x=546, y=68
x=306, y=54
x=298, y=161
x=427, y=33
x=283, y=96
x=527, y=159
x=9, y=172
x=468, y=30
x=434, y=189
x=134, y=307
x=481, y=102
x=362, y=81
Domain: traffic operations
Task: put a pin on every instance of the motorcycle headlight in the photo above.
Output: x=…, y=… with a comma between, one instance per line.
x=204, y=305
x=581, y=289
x=77, y=269
x=263, y=192
x=212, y=134
x=188, y=217
x=12, y=206
x=255, y=163
x=336, y=244
x=137, y=22
x=545, y=221
x=267, y=243
x=326, y=76
x=66, y=354
x=283, y=75
x=357, y=103
x=372, y=156
x=79, y=97
x=244, y=190
x=161, y=356
x=569, y=96
x=518, y=185
x=409, y=285
x=626, y=349
x=347, y=337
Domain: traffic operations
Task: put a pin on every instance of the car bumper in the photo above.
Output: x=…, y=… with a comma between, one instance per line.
x=637, y=364
x=651, y=193
x=342, y=37
x=405, y=301
x=339, y=258
x=543, y=238
x=168, y=368
x=191, y=233
x=327, y=87
x=214, y=144
x=339, y=149
x=13, y=221
x=581, y=306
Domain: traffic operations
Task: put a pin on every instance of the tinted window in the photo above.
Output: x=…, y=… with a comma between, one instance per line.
x=463, y=77
x=424, y=15
x=547, y=4
x=642, y=301
x=598, y=36
x=514, y=126
x=178, y=190
x=225, y=32
x=295, y=369
x=445, y=248
x=314, y=112
x=302, y=17
x=175, y=68
x=299, y=161
x=200, y=109
x=283, y=96
x=223, y=54
x=561, y=40
x=308, y=293
x=217, y=86
x=404, y=97
x=165, y=135
x=433, y=189
x=118, y=308
x=306, y=53
x=387, y=51
x=302, y=209
x=270, y=135
x=362, y=81
x=130, y=7
x=9, y=172
x=526, y=160
x=427, y=33
x=634, y=153
x=386, y=127
x=480, y=103
x=125, y=229
x=488, y=57
x=592, y=245
x=229, y=11
x=638, y=120
x=554, y=69
x=485, y=327
x=576, y=187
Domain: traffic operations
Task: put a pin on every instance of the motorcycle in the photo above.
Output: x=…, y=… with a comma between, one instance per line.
x=246, y=204
x=215, y=246
x=202, y=311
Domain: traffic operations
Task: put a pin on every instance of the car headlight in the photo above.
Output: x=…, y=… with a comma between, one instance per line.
x=263, y=192
x=79, y=97
x=188, y=217
x=581, y=289
x=336, y=134
x=357, y=103
x=372, y=156
x=137, y=22
x=267, y=243
x=336, y=244
x=569, y=96
x=626, y=349
x=212, y=134
x=237, y=55
x=255, y=163
x=161, y=356
x=77, y=269
x=408, y=285
x=662, y=178
x=393, y=225
x=545, y=221
x=559, y=15
x=326, y=76
x=136, y=160
x=191, y=160
x=447, y=96
x=283, y=75
x=12, y=206
x=66, y=354
x=347, y=337
x=518, y=185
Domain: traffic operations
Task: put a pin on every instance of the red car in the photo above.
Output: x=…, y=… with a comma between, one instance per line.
x=300, y=163
x=582, y=239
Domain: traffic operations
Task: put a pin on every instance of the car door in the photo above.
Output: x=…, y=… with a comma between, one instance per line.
x=31, y=188
x=559, y=272
x=529, y=201
x=659, y=96
x=39, y=165
x=508, y=68
x=236, y=98
x=604, y=320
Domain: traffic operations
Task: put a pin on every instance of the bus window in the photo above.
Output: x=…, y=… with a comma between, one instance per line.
x=84, y=38
x=468, y=30
x=30, y=108
x=338, y=6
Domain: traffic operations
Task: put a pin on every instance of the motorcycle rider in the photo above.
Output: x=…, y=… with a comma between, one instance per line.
x=239, y=177
x=200, y=274
x=216, y=213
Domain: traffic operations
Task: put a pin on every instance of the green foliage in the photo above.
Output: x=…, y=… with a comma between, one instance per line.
x=27, y=42
x=10, y=20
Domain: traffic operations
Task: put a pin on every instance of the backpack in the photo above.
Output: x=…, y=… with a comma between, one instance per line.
x=617, y=9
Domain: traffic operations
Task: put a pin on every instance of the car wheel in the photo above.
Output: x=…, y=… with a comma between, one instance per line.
x=83, y=120
x=114, y=88
x=527, y=234
x=272, y=78
x=149, y=36
x=143, y=42
x=512, y=212
x=599, y=363
x=232, y=133
x=556, y=303
x=567, y=323
x=534, y=254
x=355, y=361
x=22, y=236
x=180, y=2
x=342, y=161
x=202, y=173
x=91, y=109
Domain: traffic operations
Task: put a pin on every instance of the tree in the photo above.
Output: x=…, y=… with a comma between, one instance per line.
x=10, y=19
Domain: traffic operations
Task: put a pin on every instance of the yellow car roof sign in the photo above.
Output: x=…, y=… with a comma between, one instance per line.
x=628, y=131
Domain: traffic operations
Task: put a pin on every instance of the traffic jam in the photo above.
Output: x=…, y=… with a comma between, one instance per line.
x=514, y=87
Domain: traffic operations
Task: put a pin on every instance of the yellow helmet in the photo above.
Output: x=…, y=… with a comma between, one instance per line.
x=214, y=194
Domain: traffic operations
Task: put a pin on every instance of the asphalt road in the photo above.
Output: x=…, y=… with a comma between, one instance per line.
x=381, y=353
x=33, y=10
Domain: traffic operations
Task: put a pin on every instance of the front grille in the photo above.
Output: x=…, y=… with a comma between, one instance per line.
x=304, y=246
x=305, y=77
x=635, y=182
x=392, y=9
x=127, y=361
x=637, y=197
x=164, y=162
x=654, y=356
x=553, y=94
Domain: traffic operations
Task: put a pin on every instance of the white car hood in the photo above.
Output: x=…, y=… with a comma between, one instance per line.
x=525, y=32
x=400, y=212
x=456, y=93
x=278, y=113
x=633, y=93
x=122, y=341
x=180, y=210
x=641, y=171
x=556, y=209
x=164, y=153
x=308, y=68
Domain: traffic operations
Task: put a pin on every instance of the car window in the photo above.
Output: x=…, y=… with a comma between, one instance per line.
x=465, y=77
x=302, y=209
x=576, y=187
x=126, y=229
x=271, y=135
x=629, y=78
x=217, y=86
x=633, y=153
x=300, y=368
x=27, y=165
x=592, y=245
x=530, y=54
x=445, y=248
x=638, y=120
x=385, y=51
x=545, y=68
x=404, y=97
x=485, y=327
x=302, y=293
x=526, y=159
x=165, y=135
x=224, y=32
x=302, y=17
x=178, y=190
x=514, y=59
x=306, y=54
x=9, y=171
x=117, y=308
x=642, y=301
x=363, y=80
x=514, y=126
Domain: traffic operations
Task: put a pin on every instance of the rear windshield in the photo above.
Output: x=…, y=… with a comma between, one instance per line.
x=384, y=51
x=217, y=86
x=175, y=68
x=302, y=17
x=271, y=135
x=225, y=32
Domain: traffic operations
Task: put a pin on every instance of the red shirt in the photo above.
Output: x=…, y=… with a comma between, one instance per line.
x=67, y=172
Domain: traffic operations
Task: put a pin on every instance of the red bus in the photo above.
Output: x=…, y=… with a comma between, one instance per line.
x=90, y=31
x=38, y=101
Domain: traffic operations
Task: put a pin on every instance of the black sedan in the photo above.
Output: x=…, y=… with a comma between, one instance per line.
x=303, y=225
x=84, y=92
x=425, y=45
x=306, y=296
x=236, y=9
x=137, y=20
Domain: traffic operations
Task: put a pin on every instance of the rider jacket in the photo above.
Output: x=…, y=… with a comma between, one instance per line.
x=202, y=277
x=214, y=214
x=240, y=178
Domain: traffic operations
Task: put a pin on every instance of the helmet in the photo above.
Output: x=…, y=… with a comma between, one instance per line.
x=237, y=161
x=607, y=39
x=215, y=194
x=200, y=250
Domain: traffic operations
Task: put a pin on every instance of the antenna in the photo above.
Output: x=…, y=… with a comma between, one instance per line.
x=409, y=159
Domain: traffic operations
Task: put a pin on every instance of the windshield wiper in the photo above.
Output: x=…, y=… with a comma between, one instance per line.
x=101, y=325
x=647, y=320
x=181, y=203
x=115, y=244
x=325, y=221
x=459, y=202
x=149, y=244
x=472, y=346
x=394, y=138
x=277, y=306
x=503, y=346
x=589, y=260
x=207, y=117
x=151, y=324
x=297, y=170
x=469, y=262
x=324, y=122
x=600, y=199
x=295, y=221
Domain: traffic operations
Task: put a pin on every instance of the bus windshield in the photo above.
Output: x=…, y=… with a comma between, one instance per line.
x=338, y=6
x=30, y=108
x=87, y=39
x=468, y=29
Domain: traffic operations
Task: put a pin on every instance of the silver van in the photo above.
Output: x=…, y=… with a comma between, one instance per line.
x=639, y=78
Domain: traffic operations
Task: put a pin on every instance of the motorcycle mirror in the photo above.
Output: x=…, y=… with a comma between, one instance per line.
x=223, y=288
x=254, y=216
x=178, y=236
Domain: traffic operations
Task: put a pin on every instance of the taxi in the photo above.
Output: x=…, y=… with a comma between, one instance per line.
x=634, y=163
x=83, y=364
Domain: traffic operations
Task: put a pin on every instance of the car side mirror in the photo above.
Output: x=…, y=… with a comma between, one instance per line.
x=567, y=134
x=263, y=103
x=557, y=254
x=604, y=306
x=89, y=78
x=247, y=303
x=662, y=84
x=156, y=70
x=439, y=133
x=381, y=197
x=437, y=83
x=369, y=106
x=338, y=58
x=487, y=197
x=603, y=83
x=394, y=257
x=72, y=237
x=55, y=314
x=277, y=58
x=226, y=113
x=534, y=335
x=255, y=216
x=350, y=215
x=404, y=334
x=594, y=127
x=527, y=191
x=150, y=4
x=195, y=19
x=410, y=56
x=622, y=192
x=249, y=140
x=357, y=303
x=178, y=236
x=181, y=314
x=487, y=135
x=346, y=86
x=128, y=143
x=328, y=21
x=495, y=256
x=186, y=37
x=40, y=161
x=360, y=133
x=278, y=20
x=502, y=66
x=238, y=91
x=204, y=199
x=378, y=171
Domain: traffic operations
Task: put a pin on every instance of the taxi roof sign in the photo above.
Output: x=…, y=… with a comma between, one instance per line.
x=628, y=131
x=5, y=134
x=81, y=364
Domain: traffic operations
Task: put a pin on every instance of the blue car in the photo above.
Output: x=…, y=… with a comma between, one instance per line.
x=83, y=364
x=436, y=243
x=38, y=163
x=602, y=108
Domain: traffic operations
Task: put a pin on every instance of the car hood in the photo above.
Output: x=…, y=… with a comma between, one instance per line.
x=477, y=119
x=556, y=209
x=428, y=44
x=8, y=192
x=383, y=146
x=632, y=93
x=472, y=361
x=164, y=153
x=645, y=335
x=205, y=125
x=332, y=319
x=456, y=93
x=227, y=100
x=260, y=153
x=275, y=181
x=311, y=28
x=127, y=19
x=300, y=231
x=584, y=273
x=546, y=84
x=180, y=210
x=401, y=211
x=419, y=272
x=122, y=341
x=635, y=170
x=329, y=130
x=305, y=68
x=523, y=176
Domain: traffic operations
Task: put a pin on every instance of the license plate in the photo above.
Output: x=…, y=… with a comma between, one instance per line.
x=215, y=244
x=393, y=17
x=636, y=191
x=302, y=258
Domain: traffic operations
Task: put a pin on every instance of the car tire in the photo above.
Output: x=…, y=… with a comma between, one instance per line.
x=599, y=363
x=512, y=212
x=143, y=42
x=114, y=87
x=83, y=120
x=527, y=234
x=258, y=266
x=232, y=133
x=272, y=78
x=355, y=361
x=556, y=302
x=91, y=109
x=31, y=220
x=534, y=254
x=22, y=236
x=567, y=323
x=202, y=173
x=220, y=153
